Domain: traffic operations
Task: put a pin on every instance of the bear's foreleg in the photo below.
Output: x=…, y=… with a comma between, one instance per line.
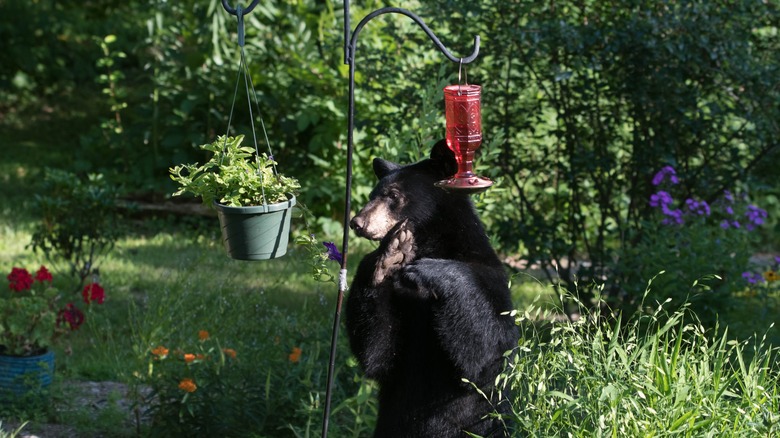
x=468, y=301
x=373, y=330
x=371, y=324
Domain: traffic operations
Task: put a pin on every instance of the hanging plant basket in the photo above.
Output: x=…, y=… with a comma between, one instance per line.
x=253, y=200
x=256, y=233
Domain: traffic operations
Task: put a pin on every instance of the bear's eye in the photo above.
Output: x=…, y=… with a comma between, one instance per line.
x=393, y=195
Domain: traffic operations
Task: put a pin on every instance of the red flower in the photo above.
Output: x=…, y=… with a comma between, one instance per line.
x=43, y=274
x=93, y=292
x=72, y=315
x=19, y=279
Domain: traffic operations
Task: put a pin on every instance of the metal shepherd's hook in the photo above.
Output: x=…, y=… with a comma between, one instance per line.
x=350, y=48
x=233, y=11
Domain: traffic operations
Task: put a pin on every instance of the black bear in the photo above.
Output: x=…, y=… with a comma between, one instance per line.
x=427, y=308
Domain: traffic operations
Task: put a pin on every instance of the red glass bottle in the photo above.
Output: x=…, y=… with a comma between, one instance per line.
x=463, y=112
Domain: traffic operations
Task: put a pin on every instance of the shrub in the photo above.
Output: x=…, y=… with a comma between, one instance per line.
x=78, y=222
x=591, y=98
x=690, y=240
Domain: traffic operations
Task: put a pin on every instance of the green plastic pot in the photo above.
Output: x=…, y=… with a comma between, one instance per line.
x=258, y=232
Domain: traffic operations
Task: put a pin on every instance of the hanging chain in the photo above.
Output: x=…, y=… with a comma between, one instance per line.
x=243, y=69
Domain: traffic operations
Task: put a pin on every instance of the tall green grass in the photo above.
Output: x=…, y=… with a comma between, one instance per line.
x=11, y=433
x=651, y=374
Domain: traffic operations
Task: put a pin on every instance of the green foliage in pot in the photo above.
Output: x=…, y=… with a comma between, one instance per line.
x=235, y=176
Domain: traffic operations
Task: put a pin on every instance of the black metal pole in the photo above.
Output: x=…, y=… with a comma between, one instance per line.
x=350, y=46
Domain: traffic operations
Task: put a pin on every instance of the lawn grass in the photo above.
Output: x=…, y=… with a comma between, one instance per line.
x=164, y=284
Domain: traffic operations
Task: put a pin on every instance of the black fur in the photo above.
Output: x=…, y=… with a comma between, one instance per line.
x=424, y=309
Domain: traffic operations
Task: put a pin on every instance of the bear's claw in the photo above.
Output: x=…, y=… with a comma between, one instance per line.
x=400, y=252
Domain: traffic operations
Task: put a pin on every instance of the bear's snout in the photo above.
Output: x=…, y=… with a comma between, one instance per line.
x=373, y=221
x=357, y=224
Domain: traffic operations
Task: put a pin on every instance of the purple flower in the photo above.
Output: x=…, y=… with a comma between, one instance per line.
x=777, y=259
x=333, y=252
x=752, y=278
x=755, y=215
x=661, y=175
x=729, y=197
x=699, y=207
x=673, y=217
x=661, y=199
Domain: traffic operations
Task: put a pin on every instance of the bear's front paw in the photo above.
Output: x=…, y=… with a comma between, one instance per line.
x=400, y=251
x=413, y=281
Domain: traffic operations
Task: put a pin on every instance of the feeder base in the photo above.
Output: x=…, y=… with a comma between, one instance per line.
x=467, y=185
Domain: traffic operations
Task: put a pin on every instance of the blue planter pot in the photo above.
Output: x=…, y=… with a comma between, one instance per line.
x=256, y=233
x=22, y=375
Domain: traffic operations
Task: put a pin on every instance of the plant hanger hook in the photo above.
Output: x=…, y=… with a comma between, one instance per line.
x=234, y=11
x=350, y=49
x=243, y=70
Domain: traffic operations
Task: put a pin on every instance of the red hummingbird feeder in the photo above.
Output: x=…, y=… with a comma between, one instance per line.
x=463, y=113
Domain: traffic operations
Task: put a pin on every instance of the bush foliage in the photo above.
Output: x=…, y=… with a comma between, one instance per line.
x=585, y=104
x=593, y=98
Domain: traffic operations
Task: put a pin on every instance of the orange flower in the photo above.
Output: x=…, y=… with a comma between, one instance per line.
x=203, y=335
x=187, y=385
x=230, y=352
x=295, y=356
x=160, y=352
x=771, y=276
x=189, y=358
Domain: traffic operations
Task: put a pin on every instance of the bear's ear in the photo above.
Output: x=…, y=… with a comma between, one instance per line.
x=383, y=167
x=444, y=159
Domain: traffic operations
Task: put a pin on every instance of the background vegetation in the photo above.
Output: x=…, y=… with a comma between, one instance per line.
x=584, y=103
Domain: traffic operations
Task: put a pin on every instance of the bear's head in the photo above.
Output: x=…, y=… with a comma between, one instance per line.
x=406, y=193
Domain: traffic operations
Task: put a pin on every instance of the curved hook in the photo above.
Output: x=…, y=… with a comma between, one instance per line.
x=425, y=28
x=233, y=11
x=350, y=45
